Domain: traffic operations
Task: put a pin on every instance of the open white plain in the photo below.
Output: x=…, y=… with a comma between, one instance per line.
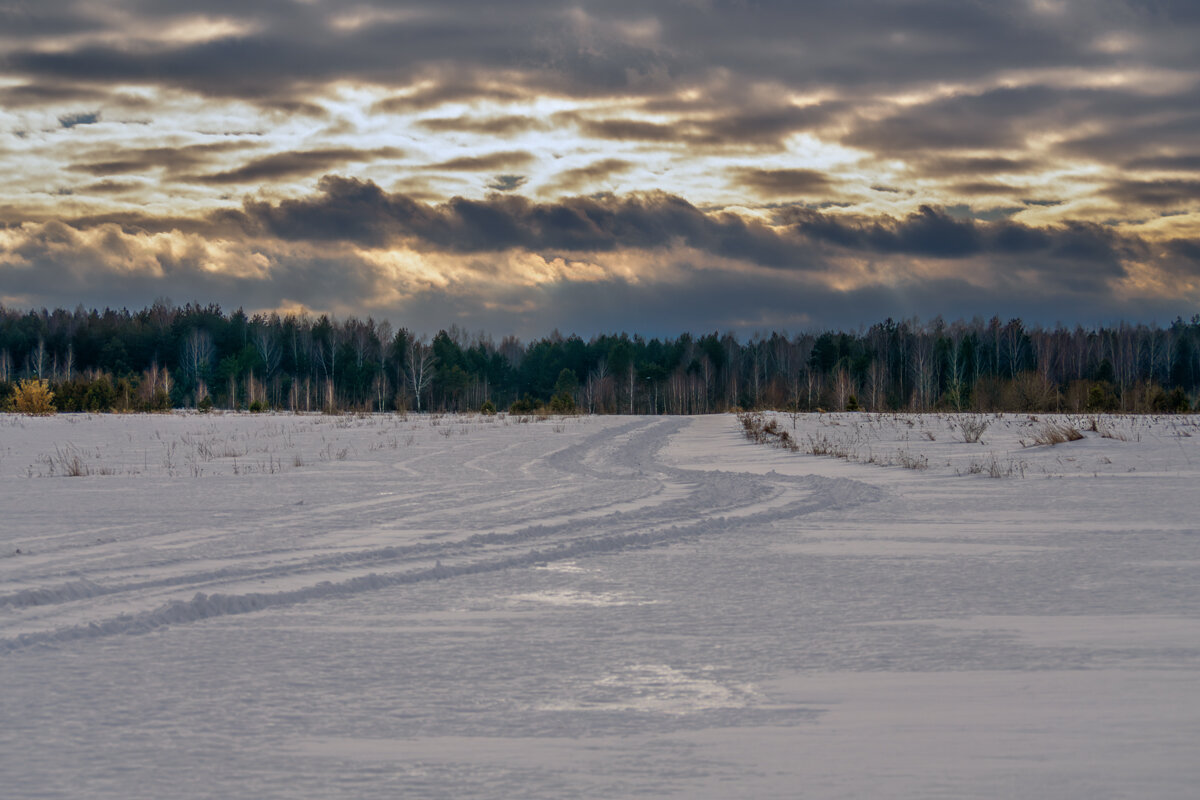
x=285, y=606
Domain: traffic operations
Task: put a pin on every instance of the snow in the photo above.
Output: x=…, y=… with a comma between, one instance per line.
x=257, y=606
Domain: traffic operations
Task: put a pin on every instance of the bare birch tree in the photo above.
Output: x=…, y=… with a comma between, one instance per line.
x=197, y=355
x=420, y=366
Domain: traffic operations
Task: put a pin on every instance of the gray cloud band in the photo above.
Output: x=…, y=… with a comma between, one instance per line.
x=361, y=212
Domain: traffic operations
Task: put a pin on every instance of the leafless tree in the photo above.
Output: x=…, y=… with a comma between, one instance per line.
x=37, y=359
x=597, y=386
x=268, y=350
x=843, y=387
x=922, y=367
x=384, y=335
x=420, y=366
x=877, y=378
x=197, y=355
x=632, y=383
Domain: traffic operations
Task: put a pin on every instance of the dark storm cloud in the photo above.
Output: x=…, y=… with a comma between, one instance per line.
x=172, y=159
x=441, y=92
x=766, y=125
x=630, y=130
x=781, y=182
x=361, y=212
x=742, y=128
x=41, y=94
x=697, y=300
x=297, y=164
x=505, y=125
x=51, y=276
x=723, y=53
x=134, y=223
x=591, y=46
x=1052, y=274
x=288, y=46
x=971, y=166
x=1123, y=125
x=1165, y=194
x=992, y=120
x=1187, y=255
x=1170, y=125
x=491, y=161
x=1173, y=163
x=932, y=233
x=245, y=67
x=805, y=239
x=113, y=187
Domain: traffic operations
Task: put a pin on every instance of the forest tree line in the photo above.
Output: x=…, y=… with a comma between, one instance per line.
x=166, y=356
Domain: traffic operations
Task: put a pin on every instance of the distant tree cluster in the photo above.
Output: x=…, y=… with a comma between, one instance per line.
x=166, y=356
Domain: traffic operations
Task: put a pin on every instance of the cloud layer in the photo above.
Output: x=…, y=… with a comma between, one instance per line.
x=592, y=165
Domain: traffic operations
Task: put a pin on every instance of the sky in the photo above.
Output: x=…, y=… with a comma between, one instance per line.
x=516, y=166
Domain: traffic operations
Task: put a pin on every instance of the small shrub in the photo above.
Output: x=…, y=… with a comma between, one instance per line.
x=971, y=429
x=100, y=395
x=159, y=402
x=524, y=405
x=205, y=405
x=488, y=408
x=752, y=426
x=257, y=407
x=34, y=397
x=1173, y=402
x=1101, y=398
x=562, y=403
x=821, y=445
x=761, y=430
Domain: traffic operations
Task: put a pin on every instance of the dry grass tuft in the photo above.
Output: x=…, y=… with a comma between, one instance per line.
x=1053, y=433
x=763, y=430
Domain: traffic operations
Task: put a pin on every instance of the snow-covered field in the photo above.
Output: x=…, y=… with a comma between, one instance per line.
x=234, y=606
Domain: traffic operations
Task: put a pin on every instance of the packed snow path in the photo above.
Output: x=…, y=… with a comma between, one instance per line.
x=592, y=607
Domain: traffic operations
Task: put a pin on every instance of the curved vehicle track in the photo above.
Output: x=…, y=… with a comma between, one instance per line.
x=458, y=505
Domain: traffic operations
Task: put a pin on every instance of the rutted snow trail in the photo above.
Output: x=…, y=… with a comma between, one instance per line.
x=604, y=491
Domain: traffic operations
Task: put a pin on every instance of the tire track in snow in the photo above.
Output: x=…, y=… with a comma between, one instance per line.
x=710, y=503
